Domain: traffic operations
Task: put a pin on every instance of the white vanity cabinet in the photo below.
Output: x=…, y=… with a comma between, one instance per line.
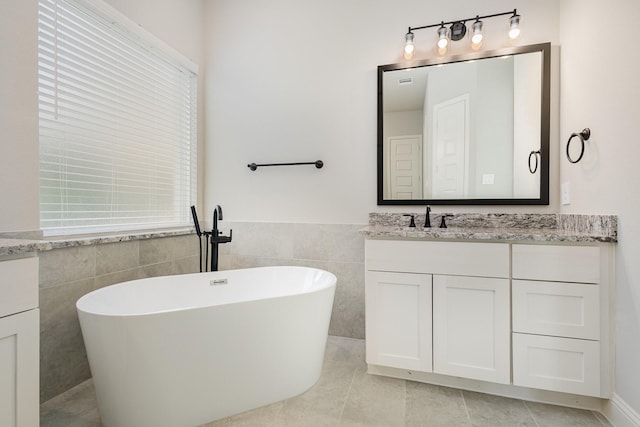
x=561, y=328
x=534, y=315
x=19, y=343
x=465, y=331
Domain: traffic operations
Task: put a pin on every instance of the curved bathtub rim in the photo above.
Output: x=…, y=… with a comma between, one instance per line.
x=332, y=282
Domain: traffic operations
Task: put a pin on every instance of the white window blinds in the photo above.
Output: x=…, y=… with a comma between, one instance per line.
x=117, y=123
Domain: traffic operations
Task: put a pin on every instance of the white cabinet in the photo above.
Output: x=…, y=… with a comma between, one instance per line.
x=561, y=327
x=399, y=320
x=471, y=328
x=534, y=315
x=470, y=321
x=19, y=343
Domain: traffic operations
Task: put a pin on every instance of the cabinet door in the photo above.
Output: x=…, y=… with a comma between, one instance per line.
x=18, y=285
x=471, y=330
x=555, y=308
x=559, y=364
x=19, y=370
x=579, y=264
x=398, y=320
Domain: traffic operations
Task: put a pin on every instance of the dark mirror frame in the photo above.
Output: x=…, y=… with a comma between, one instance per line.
x=545, y=49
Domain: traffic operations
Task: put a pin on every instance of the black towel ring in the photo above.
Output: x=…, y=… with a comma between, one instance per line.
x=584, y=136
x=535, y=155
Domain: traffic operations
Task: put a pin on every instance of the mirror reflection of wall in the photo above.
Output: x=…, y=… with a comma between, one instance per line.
x=462, y=130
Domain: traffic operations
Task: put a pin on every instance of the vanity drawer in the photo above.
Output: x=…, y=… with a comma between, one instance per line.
x=559, y=364
x=454, y=258
x=560, y=309
x=556, y=263
x=18, y=285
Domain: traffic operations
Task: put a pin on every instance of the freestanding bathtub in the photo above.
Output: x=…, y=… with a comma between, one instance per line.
x=189, y=349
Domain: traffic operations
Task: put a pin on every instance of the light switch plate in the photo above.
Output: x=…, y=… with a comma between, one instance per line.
x=488, y=178
x=565, y=193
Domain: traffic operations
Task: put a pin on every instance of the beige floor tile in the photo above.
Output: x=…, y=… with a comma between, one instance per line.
x=347, y=396
x=435, y=406
x=560, y=416
x=496, y=411
x=374, y=401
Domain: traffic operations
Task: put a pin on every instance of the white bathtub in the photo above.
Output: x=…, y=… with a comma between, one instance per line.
x=184, y=350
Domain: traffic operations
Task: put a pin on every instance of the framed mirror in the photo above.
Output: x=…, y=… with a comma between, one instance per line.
x=470, y=129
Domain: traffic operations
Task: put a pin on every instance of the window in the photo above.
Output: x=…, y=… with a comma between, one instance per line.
x=117, y=123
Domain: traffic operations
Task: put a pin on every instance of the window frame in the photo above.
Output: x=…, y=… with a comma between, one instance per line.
x=183, y=170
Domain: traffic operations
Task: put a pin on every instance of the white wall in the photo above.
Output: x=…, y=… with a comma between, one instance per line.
x=600, y=90
x=296, y=81
x=18, y=116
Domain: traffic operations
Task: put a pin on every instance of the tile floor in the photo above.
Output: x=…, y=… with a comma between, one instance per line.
x=347, y=396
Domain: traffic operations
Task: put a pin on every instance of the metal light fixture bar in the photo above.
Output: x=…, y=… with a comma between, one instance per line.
x=514, y=12
x=458, y=30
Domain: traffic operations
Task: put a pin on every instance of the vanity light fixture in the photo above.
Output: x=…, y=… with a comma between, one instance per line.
x=458, y=30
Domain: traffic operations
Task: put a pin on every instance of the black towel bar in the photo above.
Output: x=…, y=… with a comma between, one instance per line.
x=318, y=163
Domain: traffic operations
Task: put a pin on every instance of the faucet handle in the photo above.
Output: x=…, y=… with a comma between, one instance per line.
x=443, y=223
x=412, y=223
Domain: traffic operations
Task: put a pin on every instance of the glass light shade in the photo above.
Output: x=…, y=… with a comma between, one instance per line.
x=409, y=48
x=476, y=33
x=514, y=27
x=443, y=37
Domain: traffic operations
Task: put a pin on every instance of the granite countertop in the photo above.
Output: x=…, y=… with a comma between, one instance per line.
x=501, y=227
x=456, y=233
x=22, y=246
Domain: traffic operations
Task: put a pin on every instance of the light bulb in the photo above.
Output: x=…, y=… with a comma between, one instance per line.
x=409, y=48
x=443, y=37
x=476, y=34
x=514, y=27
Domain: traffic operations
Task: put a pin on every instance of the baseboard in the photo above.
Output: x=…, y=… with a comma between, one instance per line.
x=505, y=390
x=619, y=413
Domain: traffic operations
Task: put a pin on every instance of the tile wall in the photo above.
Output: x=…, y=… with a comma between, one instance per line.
x=68, y=273
x=338, y=248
